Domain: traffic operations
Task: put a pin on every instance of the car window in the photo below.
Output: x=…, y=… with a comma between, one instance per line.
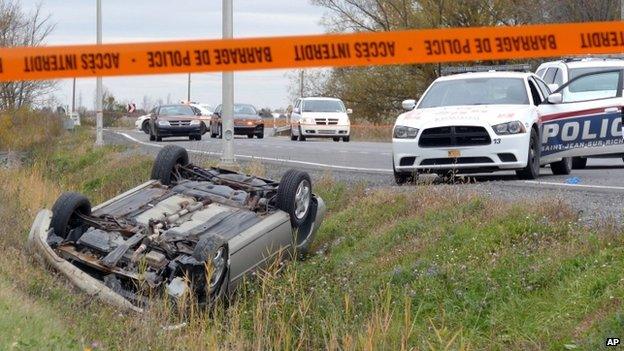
x=323, y=106
x=243, y=109
x=176, y=110
x=599, y=85
x=575, y=72
x=540, y=72
x=559, y=77
x=476, y=91
x=537, y=98
x=218, y=109
x=549, y=77
x=543, y=88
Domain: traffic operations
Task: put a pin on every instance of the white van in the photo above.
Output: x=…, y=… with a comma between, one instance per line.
x=320, y=117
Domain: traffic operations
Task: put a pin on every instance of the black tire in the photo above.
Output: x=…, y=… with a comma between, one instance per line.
x=562, y=167
x=220, y=132
x=209, y=248
x=301, y=136
x=145, y=127
x=260, y=135
x=250, y=136
x=293, y=137
x=203, y=130
x=165, y=162
x=532, y=169
x=402, y=178
x=152, y=137
x=287, y=198
x=579, y=162
x=346, y=139
x=158, y=138
x=336, y=139
x=64, y=212
x=198, y=137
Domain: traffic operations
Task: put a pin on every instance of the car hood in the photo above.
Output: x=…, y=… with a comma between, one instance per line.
x=178, y=118
x=248, y=117
x=454, y=115
x=324, y=114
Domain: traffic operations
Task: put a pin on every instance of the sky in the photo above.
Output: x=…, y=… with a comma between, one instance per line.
x=157, y=20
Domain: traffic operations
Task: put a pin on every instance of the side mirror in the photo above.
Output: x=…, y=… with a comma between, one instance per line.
x=296, y=110
x=408, y=105
x=349, y=111
x=555, y=98
x=553, y=86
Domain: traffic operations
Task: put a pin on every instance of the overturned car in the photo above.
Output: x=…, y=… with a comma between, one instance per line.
x=189, y=230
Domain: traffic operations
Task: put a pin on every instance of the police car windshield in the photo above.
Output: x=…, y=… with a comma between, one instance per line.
x=575, y=72
x=323, y=106
x=476, y=91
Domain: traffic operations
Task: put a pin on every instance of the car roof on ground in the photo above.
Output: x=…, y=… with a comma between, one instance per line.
x=494, y=74
x=587, y=62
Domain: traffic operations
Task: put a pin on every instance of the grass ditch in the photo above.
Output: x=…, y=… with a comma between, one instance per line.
x=416, y=268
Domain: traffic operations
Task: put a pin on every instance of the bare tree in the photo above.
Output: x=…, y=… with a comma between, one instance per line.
x=18, y=28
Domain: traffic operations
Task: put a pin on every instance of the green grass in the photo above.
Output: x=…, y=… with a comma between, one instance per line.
x=421, y=268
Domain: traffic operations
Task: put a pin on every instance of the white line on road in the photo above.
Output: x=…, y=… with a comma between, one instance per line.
x=575, y=185
x=322, y=165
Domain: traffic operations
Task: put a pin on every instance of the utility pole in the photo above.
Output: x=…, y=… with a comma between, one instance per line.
x=99, y=123
x=227, y=82
x=622, y=10
x=301, y=81
x=73, y=96
x=188, y=89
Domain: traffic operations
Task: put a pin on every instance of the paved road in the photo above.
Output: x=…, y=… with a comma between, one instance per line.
x=597, y=195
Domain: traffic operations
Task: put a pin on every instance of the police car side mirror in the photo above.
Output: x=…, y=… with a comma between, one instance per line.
x=408, y=105
x=553, y=86
x=555, y=98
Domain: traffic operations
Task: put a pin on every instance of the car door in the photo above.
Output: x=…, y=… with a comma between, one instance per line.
x=583, y=117
x=295, y=116
x=215, y=120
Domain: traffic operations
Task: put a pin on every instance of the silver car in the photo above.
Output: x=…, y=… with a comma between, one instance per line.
x=189, y=230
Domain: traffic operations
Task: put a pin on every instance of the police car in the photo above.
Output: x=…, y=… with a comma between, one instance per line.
x=556, y=73
x=489, y=121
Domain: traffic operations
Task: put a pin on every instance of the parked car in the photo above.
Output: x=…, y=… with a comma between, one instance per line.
x=174, y=121
x=205, y=114
x=162, y=235
x=557, y=73
x=476, y=122
x=246, y=122
x=320, y=117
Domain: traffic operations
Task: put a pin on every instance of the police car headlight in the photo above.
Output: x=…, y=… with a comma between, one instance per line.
x=164, y=123
x=403, y=132
x=195, y=122
x=515, y=127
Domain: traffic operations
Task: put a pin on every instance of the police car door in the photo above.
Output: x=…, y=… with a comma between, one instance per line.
x=583, y=117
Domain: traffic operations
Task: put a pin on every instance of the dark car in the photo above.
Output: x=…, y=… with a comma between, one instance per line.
x=175, y=121
x=246, y=122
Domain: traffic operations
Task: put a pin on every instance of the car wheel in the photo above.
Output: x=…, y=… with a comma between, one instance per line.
x=260, y=135
x=562, y=167
x=293, y=137
x=294, y=195
x=336, y=139
x=212, y=249
x=198, y=137
x=202, y=128
x=531, y=171
x=164, y=168
x=66, y=211
x=346, y=139
x=579, y=162
x=152, y=137
x=250, y=136
x=301, y=136
x=145, y=127
x=158, y=138
x=402, y=178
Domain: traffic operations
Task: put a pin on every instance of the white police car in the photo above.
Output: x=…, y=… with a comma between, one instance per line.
x=489, y=121
x=556, y=73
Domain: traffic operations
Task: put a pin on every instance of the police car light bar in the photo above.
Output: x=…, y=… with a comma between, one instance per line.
x=471, y=69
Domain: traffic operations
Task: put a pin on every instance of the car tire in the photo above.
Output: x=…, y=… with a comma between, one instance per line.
x=250, y=136
x=220, y=132
x=65, y=210
x=532, y=169
x=562, y=167
x=202, y=129
x=198, y=137
x=145, y=127
x=402, y=178
x=213, y=248
x=336, y=139
x=294, y=196
x=579, y=162
x=166, y=161
x=293, y=137
x=346, y=139
x=301, y=136
x=152, y=137
x=260, y=135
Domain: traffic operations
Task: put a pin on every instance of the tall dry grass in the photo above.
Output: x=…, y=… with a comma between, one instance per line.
x=24, y=129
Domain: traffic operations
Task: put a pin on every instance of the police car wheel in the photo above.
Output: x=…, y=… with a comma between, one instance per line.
x=532, y=169
x=562, y=167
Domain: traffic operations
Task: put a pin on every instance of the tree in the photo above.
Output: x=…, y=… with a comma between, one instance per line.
x=23, y=29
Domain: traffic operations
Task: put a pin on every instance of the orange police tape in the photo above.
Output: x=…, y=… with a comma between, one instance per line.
x=354, y=49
